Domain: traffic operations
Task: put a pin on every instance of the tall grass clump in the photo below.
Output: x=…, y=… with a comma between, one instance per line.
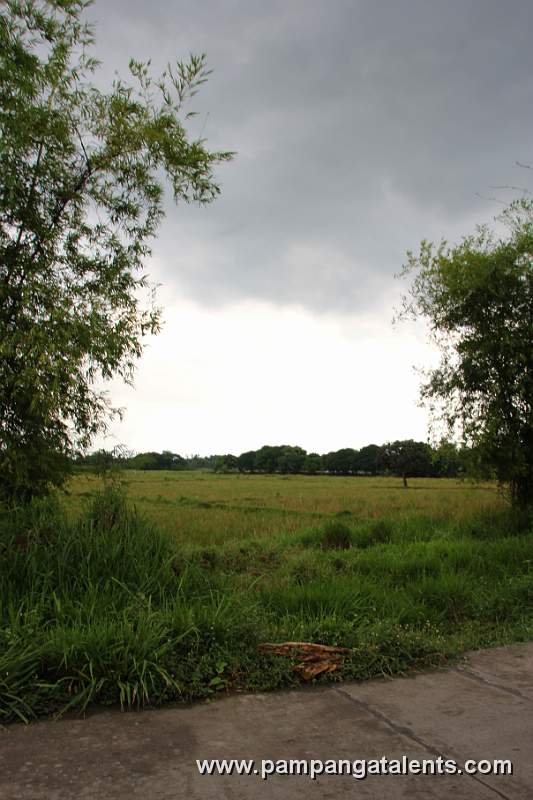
x=100, y=610
x=336, y=536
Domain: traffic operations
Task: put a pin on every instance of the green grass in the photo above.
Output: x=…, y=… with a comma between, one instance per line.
x=166, y=596
x=206, y=508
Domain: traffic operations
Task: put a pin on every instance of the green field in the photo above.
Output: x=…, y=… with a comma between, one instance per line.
x=203, y=508
x=164, y=590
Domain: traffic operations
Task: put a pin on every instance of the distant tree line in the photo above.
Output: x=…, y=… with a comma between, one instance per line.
x=406, y=459
x=102, y=460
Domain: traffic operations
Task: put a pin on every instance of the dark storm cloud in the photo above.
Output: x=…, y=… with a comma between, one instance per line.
x=360, y=127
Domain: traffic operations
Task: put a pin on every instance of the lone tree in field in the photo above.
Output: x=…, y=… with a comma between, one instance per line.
x=478, y=300
x=407, y=458
x=82, y=173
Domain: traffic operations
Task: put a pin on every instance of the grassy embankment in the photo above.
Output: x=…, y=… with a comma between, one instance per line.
x=167, y=597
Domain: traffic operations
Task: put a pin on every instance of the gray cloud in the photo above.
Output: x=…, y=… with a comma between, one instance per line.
x=360, y=127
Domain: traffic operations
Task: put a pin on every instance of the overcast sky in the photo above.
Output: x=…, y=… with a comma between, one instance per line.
x=360, y=127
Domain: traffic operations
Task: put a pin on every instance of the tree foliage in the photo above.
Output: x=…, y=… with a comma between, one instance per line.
x=478, y=299
x=415, y=459
x=407, y=458
x=82, y=175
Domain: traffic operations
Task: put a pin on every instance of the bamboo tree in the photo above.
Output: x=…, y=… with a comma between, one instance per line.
x=82, y=176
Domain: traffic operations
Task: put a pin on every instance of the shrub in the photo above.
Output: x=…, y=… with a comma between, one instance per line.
x=375, y=532
x=336, y=536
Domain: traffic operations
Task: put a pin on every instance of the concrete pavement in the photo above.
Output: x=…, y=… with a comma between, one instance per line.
x=480, y=709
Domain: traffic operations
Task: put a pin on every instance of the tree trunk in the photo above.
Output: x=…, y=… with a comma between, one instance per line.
x=522, y=491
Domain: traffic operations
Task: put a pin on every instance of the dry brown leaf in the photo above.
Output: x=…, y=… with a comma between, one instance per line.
x=308, y=671
x=315, y=659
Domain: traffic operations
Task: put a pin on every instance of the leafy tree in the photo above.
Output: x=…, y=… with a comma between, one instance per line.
x=81, y=196
x=408, y=458
x=312, y=464
x=100, y=461
x=144, y=461
x=266, y=458
x=447, y=461
x=341, y=462
x=291, y=459
x=246, y=461
x=196, y=461
x=178, y=462
x=478, y=299
x=170, y=460
x=226, y=463
x=369, y=459
x=151, y=461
